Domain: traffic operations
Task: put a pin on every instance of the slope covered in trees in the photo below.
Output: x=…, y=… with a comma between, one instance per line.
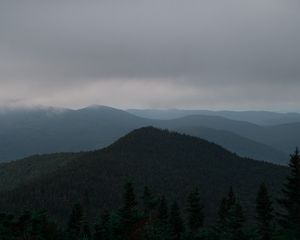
x=19, y=172
x=153, y=217
x=168, y=162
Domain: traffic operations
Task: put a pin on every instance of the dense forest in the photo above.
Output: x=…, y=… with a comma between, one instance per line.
x=171, y=163
x=151, y=217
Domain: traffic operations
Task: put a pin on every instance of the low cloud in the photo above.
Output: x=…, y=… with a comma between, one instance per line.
x=193, y=54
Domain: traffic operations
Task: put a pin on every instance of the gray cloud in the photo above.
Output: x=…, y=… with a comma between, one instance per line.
x=158, y=53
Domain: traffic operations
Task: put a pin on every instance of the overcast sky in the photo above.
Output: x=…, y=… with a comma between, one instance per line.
x=213, y=54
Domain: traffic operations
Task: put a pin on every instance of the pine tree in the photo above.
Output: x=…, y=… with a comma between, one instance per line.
x=149, y=202
x=102, y=228
x=39, y=225
x=290, y=218
x=160, y=229
x=128, y=212
x=222, y=213
x=226, y=205
x=264, y=213
x=163, y=212
x=85, y=230
x=75, y=221
x=195, y=211
x=129, y=199
x=236, y=221
x=231, y=199
x=231, y=218
x=176, y=223
x=24, y=222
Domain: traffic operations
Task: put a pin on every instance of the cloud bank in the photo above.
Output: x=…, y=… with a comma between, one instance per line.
x=233, y=54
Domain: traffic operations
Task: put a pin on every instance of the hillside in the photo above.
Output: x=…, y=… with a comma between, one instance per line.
x=167, y=162
x=16, y=173
x=42, y=131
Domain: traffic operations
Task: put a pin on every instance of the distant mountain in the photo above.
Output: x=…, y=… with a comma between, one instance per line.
x=168, y=162
x=281, y=137
x=39, y=131
x=256, y=117
x=24, y=133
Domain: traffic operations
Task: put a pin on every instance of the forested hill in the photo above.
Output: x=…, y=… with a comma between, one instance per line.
x=15, y=173
x=168, y=162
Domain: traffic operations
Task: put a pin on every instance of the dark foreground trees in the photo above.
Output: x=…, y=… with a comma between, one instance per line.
x=153, y=218
x=290, y=201
x=264, y=213
x=195, y=213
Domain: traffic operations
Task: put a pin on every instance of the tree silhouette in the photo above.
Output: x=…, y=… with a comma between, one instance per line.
x=290, y=217
x=75, y=221
x=194, y=211
x=264, y=213
x=176, y=222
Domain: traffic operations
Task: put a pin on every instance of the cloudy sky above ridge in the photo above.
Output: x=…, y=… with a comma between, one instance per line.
x=217, y=54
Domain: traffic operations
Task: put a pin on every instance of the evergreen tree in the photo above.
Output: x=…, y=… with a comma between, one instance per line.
x=163, y=212
x=226, y=206
x=160, y=229
x=231, y=199
x=149, y=202
x=176, y=222
x=195, y=211
x=236, y=222
x=222, y=213
x=23, y=223
x=290, y=218
x=102, y=228
x=75, y=221
x=264, y=213
x=128, y=212
x=129, y=199
x=39, y=225
x=231, y=218
x=85, y=230
x=115, y=226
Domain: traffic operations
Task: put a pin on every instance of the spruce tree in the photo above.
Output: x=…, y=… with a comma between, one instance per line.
x=231, y=218
x=85, y=230
x=194, y=211
x=102, y=228
x=148, y=202
x=264, y=213
x=163, y=213
x=129, y=199
x=236, y=221
x=290, y=217
x=222, y=213
x=231, y=199
x=225, y=207
x=176, y=222
x=23, y=223
x=128, y=212
x=75, y=221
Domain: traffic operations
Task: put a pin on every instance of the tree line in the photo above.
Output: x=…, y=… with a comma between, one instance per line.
x=155, y=218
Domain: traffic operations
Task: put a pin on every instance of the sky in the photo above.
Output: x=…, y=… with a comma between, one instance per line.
x=193, y=54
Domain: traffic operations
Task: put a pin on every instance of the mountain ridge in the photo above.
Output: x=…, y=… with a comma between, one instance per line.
x=167, y=161
x=28, y=133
